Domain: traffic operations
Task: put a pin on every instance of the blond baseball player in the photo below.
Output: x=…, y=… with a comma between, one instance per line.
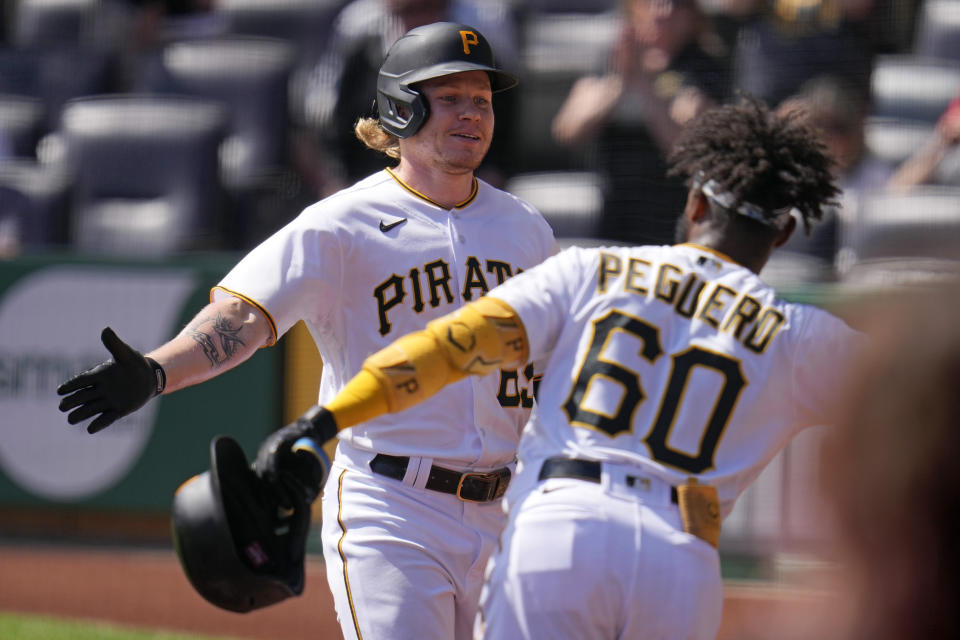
x=412, y=510
x=674, y=374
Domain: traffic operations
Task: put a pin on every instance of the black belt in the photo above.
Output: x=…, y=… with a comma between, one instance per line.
x=588, y=470
x=469, y=486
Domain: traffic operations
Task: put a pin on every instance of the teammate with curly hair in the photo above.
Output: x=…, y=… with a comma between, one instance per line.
x=754, y=155
x=674, y=375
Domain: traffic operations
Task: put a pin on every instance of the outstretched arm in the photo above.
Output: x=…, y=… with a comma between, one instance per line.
x=224, y=334
x=920, y=168
x=482, y=337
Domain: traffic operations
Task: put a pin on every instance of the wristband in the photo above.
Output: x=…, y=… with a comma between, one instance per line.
x=322, y=423
x=159, y=377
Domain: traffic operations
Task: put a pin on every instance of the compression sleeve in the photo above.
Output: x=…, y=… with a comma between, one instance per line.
x=482, y=337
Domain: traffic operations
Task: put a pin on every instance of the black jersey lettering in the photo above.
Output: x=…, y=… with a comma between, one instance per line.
x=474, y=280
x=431, y=284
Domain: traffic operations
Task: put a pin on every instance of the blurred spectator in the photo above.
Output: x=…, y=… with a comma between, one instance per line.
x=881, y=22
x=938, y=161
x=729, y=16
x=14, y=208
x=160, y=21
x=890, y=25
x=155, y=23
x=10, y=206
x=342, y=88
x=5, y=9
x=886, y=475
x=796, y=40
x=666, y=67
x=838, y=110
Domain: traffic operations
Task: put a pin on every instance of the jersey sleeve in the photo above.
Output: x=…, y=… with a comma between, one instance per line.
x=825, y=355
x=293, y=275
x=541, y=297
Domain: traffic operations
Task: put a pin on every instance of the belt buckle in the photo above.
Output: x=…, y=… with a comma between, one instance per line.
x=495, y=483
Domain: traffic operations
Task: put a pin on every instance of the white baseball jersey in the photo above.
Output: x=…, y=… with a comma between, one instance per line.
x=378, y=260
x=674, y=359
x=663, y=363
x=362, y=268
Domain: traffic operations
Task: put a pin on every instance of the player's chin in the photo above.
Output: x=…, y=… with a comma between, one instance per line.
x=463, y=163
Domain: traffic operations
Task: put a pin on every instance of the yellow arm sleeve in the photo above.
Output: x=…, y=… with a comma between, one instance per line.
x=484, y=336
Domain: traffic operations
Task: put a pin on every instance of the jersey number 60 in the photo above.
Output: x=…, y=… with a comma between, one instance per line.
x=633, y=394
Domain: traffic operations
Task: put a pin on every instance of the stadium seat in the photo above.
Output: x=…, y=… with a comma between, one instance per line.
x=908, y=87
x=249, y=77
x=54, y=76
x=21, y=125
x=571, y=201
x=886, y=273
x=938, y=30
x=893, y=140
x=145, y=172
x=304, y=23
x=57, y=23
x=42, y=193
x=558, y=48
x=917, y=227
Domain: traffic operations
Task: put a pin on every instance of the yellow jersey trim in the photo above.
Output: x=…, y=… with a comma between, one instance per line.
x=273, y=325
x=460, y=205
x=343, y=557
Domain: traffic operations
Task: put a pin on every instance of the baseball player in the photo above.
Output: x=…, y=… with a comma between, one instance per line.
x=412, y=509
x=674, y=375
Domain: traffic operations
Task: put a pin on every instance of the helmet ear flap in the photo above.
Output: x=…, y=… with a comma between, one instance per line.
x=403, y=115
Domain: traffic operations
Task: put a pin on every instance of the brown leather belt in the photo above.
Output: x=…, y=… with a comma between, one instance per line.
x=469, y=486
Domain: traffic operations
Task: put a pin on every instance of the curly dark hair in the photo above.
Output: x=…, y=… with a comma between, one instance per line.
x=758, y=156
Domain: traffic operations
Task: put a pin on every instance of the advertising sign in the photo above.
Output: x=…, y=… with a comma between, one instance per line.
x=51, y=315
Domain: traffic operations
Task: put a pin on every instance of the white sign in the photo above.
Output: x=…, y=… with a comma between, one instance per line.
x=50, y=324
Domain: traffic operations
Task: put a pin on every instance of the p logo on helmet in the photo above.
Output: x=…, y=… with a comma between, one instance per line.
x=469, y=39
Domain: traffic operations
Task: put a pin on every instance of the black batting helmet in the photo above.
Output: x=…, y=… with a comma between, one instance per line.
x=239, y=549
x=430, y=51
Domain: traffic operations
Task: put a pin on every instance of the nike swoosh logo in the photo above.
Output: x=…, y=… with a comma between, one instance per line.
x=395, y=223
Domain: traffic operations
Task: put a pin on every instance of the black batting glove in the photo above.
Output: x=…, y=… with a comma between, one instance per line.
x=292, y=459
x=114, y=388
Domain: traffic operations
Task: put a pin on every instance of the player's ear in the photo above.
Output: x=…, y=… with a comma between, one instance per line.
x=784, y=235
x=697, y=207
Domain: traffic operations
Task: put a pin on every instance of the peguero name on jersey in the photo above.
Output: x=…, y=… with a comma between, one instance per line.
x=723, y=308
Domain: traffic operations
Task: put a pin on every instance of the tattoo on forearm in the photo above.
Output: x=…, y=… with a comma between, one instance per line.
x=209, y=348
x=229, y=336
x=229, y=339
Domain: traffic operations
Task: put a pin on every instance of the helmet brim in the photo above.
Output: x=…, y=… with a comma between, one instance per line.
x=499, y=80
